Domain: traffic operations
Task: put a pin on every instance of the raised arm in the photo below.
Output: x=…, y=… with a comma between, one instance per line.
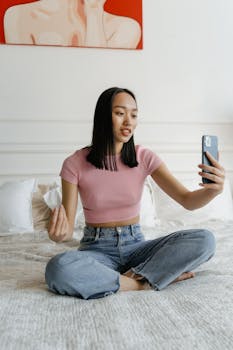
x=191, y=199
x=95, y=33
x=61, y=224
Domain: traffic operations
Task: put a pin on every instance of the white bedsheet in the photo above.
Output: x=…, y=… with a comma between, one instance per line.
x=192, y=314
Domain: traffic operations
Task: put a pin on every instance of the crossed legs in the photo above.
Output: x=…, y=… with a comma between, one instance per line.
x=154, y=265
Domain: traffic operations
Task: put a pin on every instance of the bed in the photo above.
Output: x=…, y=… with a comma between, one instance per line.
x=192, y=314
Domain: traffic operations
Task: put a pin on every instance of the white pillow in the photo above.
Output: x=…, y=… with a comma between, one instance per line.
x=148, y=214
x=169, y=211
x=16, y=206
x=53, y=198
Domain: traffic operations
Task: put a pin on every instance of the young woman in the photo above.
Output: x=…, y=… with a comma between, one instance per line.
x=113, y=254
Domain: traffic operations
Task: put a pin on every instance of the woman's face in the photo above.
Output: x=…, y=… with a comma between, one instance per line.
x=124, y=118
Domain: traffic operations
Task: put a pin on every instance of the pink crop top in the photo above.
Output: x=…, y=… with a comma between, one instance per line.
x=109, y=196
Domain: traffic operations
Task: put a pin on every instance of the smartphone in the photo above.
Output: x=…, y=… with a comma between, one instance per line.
x=210, y=144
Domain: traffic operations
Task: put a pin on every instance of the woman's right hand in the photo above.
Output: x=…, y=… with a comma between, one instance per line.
x=58, y=228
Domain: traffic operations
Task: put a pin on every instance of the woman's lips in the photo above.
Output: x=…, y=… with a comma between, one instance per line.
x=125, y=132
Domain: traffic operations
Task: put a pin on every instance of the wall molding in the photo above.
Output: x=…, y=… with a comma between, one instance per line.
x=142, y=121
x=31, y=148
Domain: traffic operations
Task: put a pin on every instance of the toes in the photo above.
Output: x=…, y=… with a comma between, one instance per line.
x=185, y=276
x=188, y=275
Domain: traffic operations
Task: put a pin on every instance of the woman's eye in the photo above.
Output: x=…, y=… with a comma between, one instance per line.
x=119, y=113
x=134, y=116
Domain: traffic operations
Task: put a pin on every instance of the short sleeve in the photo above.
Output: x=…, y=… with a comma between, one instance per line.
x=151, y=160
x=68, y=171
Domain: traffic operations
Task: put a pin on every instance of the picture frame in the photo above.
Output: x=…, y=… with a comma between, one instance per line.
x=115, y=24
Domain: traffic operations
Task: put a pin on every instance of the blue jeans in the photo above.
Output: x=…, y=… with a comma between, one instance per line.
x=93, y=270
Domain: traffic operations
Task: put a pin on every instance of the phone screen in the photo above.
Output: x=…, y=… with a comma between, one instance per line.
x=210, y=144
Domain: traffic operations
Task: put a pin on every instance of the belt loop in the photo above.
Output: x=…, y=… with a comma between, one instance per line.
x=131, y=230
x=97, y=233
x=118, y=230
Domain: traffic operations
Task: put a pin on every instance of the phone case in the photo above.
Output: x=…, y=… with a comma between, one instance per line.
x=210, y=144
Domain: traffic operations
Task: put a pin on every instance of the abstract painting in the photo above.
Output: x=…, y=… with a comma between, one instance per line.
x=113, y=24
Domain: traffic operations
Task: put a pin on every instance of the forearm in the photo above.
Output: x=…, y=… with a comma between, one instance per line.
x=95, y=34
x=199, y=198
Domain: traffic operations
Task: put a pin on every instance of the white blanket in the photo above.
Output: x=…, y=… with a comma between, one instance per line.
x=192, y=314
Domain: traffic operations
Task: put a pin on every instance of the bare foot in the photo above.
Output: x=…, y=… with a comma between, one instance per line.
x=127, y=283
x=137, y=282
x=142, y=283
x=133, y=275
x=184, y=276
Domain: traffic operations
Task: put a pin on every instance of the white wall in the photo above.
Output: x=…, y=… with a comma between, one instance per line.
x=183, y=79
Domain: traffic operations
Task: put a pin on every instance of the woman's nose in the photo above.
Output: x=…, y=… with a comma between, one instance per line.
x=127, y=119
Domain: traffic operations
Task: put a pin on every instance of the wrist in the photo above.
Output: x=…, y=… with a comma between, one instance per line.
x=94, y=9
x=70, y=232
x=215, y=189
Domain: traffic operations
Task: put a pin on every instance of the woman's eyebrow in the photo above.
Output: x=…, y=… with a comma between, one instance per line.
x=118, y=106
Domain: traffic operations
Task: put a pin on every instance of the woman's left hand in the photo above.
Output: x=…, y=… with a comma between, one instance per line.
x=216, y=174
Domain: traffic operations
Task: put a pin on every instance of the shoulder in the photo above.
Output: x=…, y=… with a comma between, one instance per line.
x=143, y=151
x=77, y=156
x=124, y=21
x=31, y=11
x=22, y=9
x=12, y=13
x=72, y=166
x=124, y=30
x=18, y=15
x=148, y=158
x=128, y=23
x=13, y=17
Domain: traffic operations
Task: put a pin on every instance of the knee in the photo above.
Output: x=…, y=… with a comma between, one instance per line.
x=207, y=242
x=56, y=270
x=65, y=272
x=52, y=270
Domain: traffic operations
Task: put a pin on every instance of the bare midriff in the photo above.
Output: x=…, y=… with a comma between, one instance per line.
x=132, y=221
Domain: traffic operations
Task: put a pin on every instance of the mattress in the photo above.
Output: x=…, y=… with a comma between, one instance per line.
x=192, y=314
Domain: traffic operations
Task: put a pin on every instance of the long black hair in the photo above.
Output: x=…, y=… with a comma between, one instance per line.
x=102, y=148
